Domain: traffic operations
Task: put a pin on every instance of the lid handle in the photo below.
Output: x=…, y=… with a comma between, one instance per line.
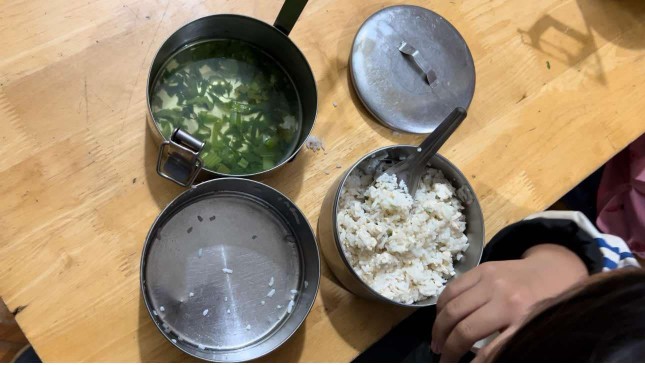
x=178, y=158
x=290, y=12
x=407, y=49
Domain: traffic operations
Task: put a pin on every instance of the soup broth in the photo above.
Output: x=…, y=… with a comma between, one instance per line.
x=233, y=97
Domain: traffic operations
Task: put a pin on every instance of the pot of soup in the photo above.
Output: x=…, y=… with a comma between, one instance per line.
x=230, y=96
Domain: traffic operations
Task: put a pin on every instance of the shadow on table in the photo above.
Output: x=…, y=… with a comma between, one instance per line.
x=616, y=13
x=575, y=46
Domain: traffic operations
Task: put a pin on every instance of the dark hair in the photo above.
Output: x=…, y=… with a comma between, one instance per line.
x=603, y=321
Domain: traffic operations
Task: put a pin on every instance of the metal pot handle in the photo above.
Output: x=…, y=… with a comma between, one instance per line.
x=178, y=158
x=291, y=10
x=428, y=72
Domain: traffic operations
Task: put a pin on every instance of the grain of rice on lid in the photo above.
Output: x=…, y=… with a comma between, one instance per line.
x=402, y=247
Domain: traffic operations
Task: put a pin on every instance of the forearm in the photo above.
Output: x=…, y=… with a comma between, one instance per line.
x=568, y=268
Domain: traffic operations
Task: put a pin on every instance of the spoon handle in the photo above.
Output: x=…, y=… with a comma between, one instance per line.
x=439, y=136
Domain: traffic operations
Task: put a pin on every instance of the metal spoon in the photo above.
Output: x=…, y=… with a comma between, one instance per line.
x=413, y=168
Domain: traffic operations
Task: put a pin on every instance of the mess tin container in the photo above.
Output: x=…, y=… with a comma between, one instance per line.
x=410, y=68
x=181, y=163
x=328, y=228
x=230, y=269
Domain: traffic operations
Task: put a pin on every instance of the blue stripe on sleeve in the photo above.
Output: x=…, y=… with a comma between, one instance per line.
x=603, y=243
x=608, y=264
x=626, y=255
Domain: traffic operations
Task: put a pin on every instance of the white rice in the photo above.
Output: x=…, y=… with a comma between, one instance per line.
x=271, y=281
x=248, y=327
x=294, y=291
x=314, y=143
x=290, y=306
x=271, y=292
x=162, y=309
x=263, y=302
x=205, y=312
x=191, y=294
x=226, y=299
x=227, y=271
x=401, y=247
x=201, y=347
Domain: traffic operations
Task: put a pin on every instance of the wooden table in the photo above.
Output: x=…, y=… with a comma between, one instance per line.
x=559, y=91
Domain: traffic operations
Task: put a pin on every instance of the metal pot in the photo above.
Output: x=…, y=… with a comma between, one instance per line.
x=328, y=228
x=230, y=269
x=181, y=163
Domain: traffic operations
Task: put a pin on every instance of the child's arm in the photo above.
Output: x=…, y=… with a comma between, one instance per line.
x=526, y=262
x=599, y=252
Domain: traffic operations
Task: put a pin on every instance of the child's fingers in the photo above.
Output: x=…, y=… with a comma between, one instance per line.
x=458, y=285
x=480, y=324
x=455, y=311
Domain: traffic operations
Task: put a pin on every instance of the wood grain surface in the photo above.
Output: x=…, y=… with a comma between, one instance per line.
x=559, y=91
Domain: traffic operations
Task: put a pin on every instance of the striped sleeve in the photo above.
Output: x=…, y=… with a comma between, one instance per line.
x=615, y=253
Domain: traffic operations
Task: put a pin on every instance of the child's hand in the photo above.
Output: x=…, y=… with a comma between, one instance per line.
x=497, y=295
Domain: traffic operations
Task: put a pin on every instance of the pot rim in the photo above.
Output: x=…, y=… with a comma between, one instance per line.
x=149, y=239
x=269, y=28
x=334, y=220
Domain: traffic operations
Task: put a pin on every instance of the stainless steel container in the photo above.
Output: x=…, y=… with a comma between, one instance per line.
x=328, y=231
x=410, y=67
x=272, y=40
x=230, y=269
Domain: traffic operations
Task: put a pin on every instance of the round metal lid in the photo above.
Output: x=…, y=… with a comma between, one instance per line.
x=410, y=68
x=225, y=275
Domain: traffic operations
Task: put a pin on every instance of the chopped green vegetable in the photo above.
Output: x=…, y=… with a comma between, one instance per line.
x=234, y=98
x=271, y=142
x=211, y=159
x=243, y=163
x=267, y=163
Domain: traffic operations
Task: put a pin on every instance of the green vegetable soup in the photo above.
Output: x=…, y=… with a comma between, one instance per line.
x=233, y=97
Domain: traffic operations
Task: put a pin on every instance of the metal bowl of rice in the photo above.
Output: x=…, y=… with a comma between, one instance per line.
x=383, y=244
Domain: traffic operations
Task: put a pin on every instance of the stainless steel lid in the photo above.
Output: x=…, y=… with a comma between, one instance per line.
x=411, y=68
x=230, y=270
